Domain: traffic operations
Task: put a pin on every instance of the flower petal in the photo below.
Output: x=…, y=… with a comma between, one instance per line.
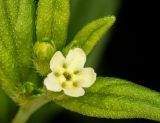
x=76, y=59
x=57, y=62
x=86, y=77
x=74, y=92
x=52, y=83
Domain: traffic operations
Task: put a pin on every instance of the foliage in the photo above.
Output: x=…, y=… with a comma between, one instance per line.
x=26, y=23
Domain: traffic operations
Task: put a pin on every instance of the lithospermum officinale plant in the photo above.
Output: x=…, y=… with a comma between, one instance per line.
x=37, y=66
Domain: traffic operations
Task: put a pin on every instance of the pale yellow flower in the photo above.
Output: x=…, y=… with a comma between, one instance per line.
x=68, y=74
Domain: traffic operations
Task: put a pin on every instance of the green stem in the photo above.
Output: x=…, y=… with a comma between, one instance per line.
x=29, y=108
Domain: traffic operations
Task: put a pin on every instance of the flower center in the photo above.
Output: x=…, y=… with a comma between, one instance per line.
x=67, y=76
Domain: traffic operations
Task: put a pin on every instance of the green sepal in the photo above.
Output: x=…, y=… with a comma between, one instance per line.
x=89, y=35
x=52, y=21
x=30, y=89
x=116, y=98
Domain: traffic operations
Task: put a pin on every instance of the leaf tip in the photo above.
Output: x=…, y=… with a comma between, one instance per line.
x=111, y=18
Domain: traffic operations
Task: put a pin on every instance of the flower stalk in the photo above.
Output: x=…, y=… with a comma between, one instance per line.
x=26, y=110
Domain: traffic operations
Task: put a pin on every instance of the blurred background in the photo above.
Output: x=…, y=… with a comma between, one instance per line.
x=129, y=51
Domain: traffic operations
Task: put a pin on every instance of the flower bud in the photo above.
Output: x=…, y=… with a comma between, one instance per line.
x=43, y=52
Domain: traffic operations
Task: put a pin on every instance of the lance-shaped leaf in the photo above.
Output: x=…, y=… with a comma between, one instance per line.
x=25, y=35
x=7, y=44
x=88, y=36
x=9, y=72
x=52, y=21
x=16, y=37
x=9, y=76
x=116, y=98
x=20, y=16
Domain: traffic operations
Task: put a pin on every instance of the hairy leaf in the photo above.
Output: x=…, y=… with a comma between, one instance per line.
x=25, y=35
x=88, y=36
x=16, y=37
x=18, y=19
x=9, y=72
x=7, y=49
x=12, y=8
x=52, y=21
x=116, y=98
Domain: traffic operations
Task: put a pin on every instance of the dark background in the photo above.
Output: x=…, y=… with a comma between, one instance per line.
x=132, y=53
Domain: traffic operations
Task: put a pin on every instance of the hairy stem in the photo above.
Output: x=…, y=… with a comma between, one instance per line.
x=25, y=111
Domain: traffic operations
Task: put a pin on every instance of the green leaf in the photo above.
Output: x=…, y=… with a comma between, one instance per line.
x=88, y=36
x=12, y=8
x=116, y=98
x=92, y=9
x=17, y=34
x=9, y=72
x=7, y=47
x=25, y=35
x=18, y=19
x=52, y=21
